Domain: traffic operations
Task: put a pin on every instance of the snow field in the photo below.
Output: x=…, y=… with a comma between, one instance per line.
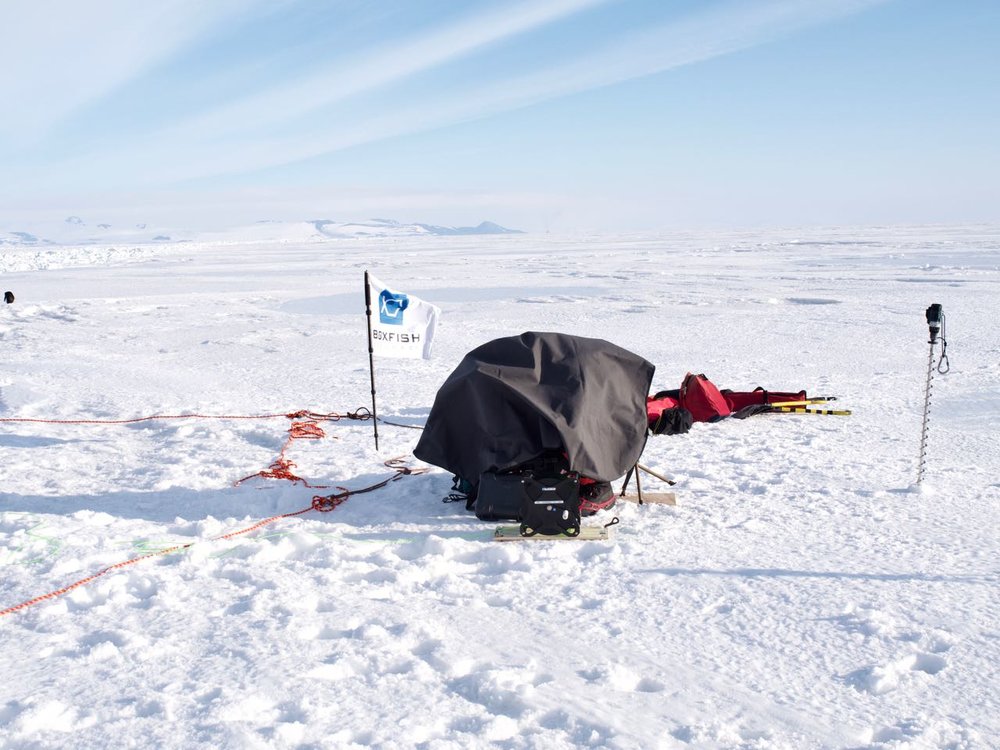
x=801, y=594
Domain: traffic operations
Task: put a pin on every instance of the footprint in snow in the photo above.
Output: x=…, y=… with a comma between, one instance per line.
x=505, y=692
x=923, y=732
x=721, y=734
x=881, y=679
x=926, y=657
x=867, y=622
x=622, y=679
x=582, y=733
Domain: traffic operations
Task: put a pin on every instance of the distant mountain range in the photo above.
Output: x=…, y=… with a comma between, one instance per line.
x=75, y=231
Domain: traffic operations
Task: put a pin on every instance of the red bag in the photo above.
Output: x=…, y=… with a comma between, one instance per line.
x=665, y=416
x=656, y=405
x=700, y=397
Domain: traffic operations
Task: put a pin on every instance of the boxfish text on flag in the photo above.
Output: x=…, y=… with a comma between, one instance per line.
x=401, y=325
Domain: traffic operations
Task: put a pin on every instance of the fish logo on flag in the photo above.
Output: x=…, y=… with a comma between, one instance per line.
x=405, y=324
x=391, y=306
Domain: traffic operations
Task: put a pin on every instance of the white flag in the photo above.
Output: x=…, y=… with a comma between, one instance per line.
x=402, y=325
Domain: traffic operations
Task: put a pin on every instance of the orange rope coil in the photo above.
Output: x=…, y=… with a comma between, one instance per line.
x=307, y=428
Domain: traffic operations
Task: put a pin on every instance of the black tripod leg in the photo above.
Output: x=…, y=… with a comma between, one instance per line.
x=625, y=483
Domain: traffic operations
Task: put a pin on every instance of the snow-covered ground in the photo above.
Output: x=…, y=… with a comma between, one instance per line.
x=802, y=593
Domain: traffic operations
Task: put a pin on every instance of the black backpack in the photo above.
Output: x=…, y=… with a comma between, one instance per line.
x=542, y=494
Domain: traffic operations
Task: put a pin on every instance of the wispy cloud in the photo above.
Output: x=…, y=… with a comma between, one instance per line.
x=716, y=31
x=58, y=56
x=384, y=65
x=711, y=32
x=239, y=137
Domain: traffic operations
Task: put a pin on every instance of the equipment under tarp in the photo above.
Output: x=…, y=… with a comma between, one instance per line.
x=513, y=399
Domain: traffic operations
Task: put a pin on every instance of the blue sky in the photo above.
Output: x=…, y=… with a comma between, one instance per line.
x=541, y=114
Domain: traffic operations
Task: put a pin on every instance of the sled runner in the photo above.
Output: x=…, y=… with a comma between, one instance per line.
x=587, y=534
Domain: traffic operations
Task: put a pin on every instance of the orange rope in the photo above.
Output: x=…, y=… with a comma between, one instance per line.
x=326, y=503
x=360, y=414
x=280, y=469
x=319, y=503
x=143, y=419
x=282, y=466
x=132, y=561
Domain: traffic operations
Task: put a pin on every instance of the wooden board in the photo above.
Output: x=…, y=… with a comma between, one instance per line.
x=652, y=498
x=587, y=534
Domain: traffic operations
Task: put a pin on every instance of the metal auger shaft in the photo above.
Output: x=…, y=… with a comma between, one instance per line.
x=935, y=325
x=927, y=410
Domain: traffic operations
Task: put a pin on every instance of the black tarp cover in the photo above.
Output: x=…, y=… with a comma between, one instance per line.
x=512, y=399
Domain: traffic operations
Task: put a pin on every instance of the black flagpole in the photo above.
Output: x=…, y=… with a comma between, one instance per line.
x=371, y=355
